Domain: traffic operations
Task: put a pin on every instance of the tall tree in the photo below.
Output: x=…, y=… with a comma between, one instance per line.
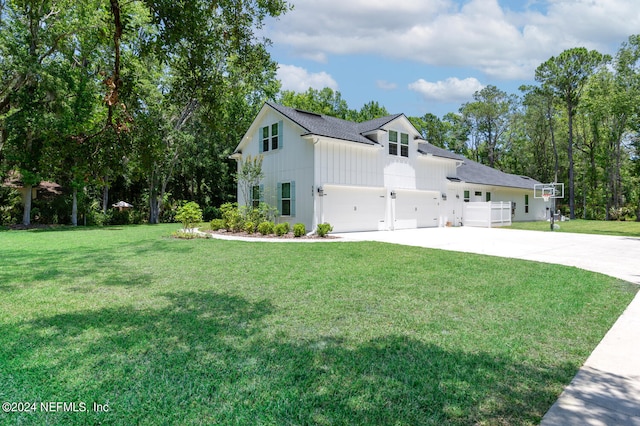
x=490, y=116
x=325, y=101
x=432, y=129
x=566, y=76
x=627, y=67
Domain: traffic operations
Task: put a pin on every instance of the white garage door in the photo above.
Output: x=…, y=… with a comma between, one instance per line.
x=349, y=208
x=416, y=209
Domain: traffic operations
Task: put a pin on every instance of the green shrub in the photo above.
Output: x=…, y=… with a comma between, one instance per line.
x=299, y=230
x=233, y=220
x=186, y=235
x=249, y=227
x=119, y=217
x=324, y=229
x=183, y=235
x=263, y=213
x=282, y=229
x=209, y=213
x=217, y=224
x=189, y=215
x=266, y=228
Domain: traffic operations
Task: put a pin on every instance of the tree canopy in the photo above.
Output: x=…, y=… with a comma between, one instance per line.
x=145, y=100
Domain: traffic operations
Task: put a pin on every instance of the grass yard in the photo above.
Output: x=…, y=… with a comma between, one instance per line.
x=168, y=331
x=579, y=226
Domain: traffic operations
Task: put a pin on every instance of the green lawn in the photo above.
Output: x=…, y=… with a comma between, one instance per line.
x=579, y=226
x=170, y=331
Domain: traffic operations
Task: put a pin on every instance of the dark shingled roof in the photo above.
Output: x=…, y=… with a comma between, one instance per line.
x=472, y=172
x=469, y=171
x=428, y=149
x=331, y=127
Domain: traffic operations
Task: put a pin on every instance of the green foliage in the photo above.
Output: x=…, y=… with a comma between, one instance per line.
x=329, y=102
x=217, y=224
x=264, y=212
x=299, y=230
x=282, y=229
x=189, y=215
x=266, y=228
x=323, y=229
x=333, y=332
x=209, y=213
x=233, y=219
x=249, y=176
x=185, y=235
x=249, y=227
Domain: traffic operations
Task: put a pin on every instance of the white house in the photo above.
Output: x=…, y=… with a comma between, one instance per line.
x=376, y=175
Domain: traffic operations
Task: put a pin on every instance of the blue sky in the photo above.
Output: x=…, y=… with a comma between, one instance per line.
x=420, y=56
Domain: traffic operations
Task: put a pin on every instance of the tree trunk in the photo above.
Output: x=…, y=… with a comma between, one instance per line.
x=154, y=208
x=74, y=208
x=26, y=217
x=105, y=195
x=556, y=165
x=572, y=191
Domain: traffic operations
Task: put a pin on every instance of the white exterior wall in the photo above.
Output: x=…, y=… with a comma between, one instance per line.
x=293, y=162
x=419, y=182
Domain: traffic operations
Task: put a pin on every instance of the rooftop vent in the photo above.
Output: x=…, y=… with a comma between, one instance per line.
x=308, y=113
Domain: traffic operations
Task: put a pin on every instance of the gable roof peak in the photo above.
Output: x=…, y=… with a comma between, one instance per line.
x=332, y=127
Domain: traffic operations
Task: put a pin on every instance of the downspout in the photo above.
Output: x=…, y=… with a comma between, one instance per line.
x=317, y=203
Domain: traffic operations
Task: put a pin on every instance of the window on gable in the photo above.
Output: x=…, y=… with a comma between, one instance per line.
x=393, y=142
x=271, y=137
x=265, y=139
x=403, y=148
x=404, y=145
x=274, y=136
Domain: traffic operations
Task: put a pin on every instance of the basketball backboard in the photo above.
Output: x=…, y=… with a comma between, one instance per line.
x=548, y=190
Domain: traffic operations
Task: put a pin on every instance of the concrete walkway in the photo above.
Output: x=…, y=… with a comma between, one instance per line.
x=606, y=390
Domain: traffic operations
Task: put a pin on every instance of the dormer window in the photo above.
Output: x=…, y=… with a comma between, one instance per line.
x=403, y=151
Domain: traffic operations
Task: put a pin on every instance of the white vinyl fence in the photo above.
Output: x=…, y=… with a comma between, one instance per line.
x=487, y=215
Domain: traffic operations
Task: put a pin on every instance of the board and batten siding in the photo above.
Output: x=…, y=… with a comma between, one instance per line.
x=293, y=162
x=347, y=163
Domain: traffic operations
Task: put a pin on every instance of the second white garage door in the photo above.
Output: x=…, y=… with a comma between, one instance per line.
x=416, y=209
x=350, y=209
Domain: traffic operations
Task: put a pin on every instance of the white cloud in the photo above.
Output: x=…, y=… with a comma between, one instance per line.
x=450, y=90
x=502, y=43
x=300, y=80
x=386, y=85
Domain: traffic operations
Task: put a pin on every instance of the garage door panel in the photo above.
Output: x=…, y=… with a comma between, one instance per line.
x=416, y=209
x=350, y=209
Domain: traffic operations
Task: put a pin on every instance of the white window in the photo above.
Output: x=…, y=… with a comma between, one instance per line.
x=271, y=137
x=393, y=144
x=404, y=145
x=287, y=198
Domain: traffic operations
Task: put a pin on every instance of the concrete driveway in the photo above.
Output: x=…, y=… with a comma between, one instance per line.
x=615, y=256
x=606, y=390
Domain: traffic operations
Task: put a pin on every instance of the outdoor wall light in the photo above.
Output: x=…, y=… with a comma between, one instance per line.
x=320, y=191
x=393, y=195
x=444, y=196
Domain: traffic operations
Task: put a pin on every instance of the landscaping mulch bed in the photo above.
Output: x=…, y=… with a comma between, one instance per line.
x=288, y=236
